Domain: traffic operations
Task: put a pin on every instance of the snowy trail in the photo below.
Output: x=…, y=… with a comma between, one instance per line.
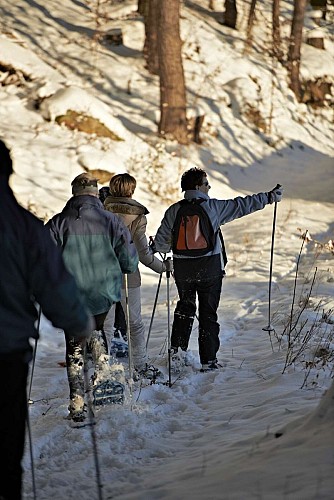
x=164, y=427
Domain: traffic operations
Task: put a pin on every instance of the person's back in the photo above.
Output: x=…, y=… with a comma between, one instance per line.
x=30, y=266
x=97, y=249
x=32, y=271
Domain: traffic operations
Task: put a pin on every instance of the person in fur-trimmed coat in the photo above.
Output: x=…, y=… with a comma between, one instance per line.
x=133, y=214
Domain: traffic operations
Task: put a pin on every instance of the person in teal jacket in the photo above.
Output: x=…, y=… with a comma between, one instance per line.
x=97, y=249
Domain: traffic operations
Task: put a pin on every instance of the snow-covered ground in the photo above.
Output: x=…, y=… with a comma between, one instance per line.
x=248, y=431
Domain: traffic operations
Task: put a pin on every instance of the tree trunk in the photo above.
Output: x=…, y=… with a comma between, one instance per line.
x=230, y=14
x=251, y=19
x=151, y=38
x=173, y=122
x=277, y=31
x=295, y=46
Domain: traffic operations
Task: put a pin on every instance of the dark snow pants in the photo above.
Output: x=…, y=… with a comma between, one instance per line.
x=13, y=413
x=201, y=277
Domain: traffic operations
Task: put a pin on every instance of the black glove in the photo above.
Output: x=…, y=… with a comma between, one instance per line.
x=169, y=265
x=275, y=195
x=152, y=245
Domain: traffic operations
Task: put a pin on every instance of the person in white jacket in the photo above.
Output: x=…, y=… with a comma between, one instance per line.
x=201, y=276
x=133, y=214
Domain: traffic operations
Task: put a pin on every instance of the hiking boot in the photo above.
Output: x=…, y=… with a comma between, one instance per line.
x=177, y=359
x=77, y=409
x=102, y=370
x=119, y=333
x=119, y=349
x=210, y=366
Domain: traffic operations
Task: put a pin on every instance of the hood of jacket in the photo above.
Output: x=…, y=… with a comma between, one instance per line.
x=190, y=194
x=83, y=201
x=127, y=209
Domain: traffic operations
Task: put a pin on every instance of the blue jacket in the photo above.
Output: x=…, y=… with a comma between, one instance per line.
x=97, y=249
x=32, y=270
x=219, y=211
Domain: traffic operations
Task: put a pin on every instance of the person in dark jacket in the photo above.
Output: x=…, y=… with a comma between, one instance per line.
x=31, y=272
x=97, y=249
x=202, y=276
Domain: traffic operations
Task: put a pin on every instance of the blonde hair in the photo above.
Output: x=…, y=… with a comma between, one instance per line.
x=122, y=185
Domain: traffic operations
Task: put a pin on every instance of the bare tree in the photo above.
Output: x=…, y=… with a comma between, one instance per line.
x=250, y=23
x=173, y=120
x=151, y=37
x=277, y=31
x=295, y=46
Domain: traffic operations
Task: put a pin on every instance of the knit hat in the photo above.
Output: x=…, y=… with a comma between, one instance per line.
x=85, y=184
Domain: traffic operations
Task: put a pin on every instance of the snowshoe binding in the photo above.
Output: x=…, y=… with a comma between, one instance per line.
x=149, y=372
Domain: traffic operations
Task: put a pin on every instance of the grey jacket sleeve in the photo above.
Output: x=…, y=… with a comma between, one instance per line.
x=144, y=253
x=124, y=247
x=229, y=210
x=163, y=238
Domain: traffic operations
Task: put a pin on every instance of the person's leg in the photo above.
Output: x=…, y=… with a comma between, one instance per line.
x=184, y=315
x=98, y=346
x=137, y=328
x=208, y=301
x=120, y=321
x=99, y=332
x=13, y=412
x=75, y=375
x=108, y=324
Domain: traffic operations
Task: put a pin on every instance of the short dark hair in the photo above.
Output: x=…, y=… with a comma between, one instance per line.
x=122, y=186
x=192, y=178
x=6, y=164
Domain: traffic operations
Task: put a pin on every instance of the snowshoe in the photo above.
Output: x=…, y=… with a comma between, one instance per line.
x=119, y=349
x=108, y=392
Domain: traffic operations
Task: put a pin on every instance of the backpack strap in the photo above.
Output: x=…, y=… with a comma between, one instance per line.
x=223, y=247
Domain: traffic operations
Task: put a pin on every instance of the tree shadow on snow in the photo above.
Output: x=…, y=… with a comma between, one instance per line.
x=305, y=173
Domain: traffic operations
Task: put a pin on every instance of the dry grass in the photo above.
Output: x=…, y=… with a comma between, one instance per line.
x=87, y=124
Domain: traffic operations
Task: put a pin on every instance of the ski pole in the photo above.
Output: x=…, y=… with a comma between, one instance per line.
x=153, y=311
x=168, y=272
x=34, y=355
x=92, y=423
x=127, y=312
x=156, y=298
x=31, y=455
x=269, y=328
